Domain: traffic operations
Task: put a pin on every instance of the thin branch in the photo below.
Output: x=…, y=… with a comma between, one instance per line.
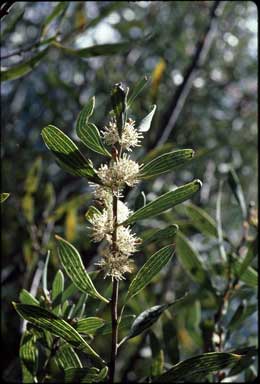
x=5, y=8
x=177, y=103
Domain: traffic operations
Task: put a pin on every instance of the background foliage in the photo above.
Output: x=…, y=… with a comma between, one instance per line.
x=218, y=121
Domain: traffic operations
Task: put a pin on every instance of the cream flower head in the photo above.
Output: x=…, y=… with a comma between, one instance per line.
x=130, y=136
x=120, y=172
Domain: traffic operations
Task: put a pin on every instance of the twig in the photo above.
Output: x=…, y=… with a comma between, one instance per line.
x=170, y=118
x=5, y=8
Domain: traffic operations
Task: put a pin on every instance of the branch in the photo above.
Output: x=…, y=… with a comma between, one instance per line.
x=5, y=8
x=203, y=45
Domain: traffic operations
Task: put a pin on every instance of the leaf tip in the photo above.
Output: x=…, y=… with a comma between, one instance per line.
x=57, y=237
x=199, y=182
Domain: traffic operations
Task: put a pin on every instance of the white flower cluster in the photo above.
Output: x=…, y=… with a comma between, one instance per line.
x=119, y=241
x=130, y=136
x=115, y=263
x=102, y=223
x=120, y=172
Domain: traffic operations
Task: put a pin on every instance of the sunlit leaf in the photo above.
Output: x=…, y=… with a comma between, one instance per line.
x=166, y=201
x=56, y=326
x=195, y=366
x=85, y=375
x=166, y=163
x=4, y=196
x=66, y=357
x=67, y=153
x=89, y=325
x=149, y=270
x=27, y=298
x=72, y=263
x=145, y=123
x=56, y=292
x=29, y=357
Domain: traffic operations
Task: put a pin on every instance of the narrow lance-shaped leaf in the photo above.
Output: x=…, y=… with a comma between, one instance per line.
x=137, y=89
x=249, y=276
x=67, y=153
x=167, y=233
x=56, y=292
x=190, y=261
x=96, y=50
x=236, y=188
x=85, y=375
x=148, y=317
x=166, y=201
x=29, y=357
x=166, y=163
x=72, y=263
x=150, y=269
x=23, y=68
x=4, y=196
x=202, y=221
x=222, y=250
x=145, y=123
x=90, y=136
x=157, y=355
x=27, y=298
x=57, y=11
x=198, y=365
x=118, y=100
x=89, y=325
x=66, y=357
x=56, y=326
x=45, y=275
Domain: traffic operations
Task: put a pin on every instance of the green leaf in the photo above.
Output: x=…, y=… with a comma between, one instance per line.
x=23, y=68
x=166, y=163
x=202, y=221
x=85, y=375
x=236, y=188
x=72, y=263
x=85, y=114
x=4, y=196
x=149, y=270
x=252, y=252
x=66, y=152
x=80, y=305
x=242, y=312
x=119, y=100
x=66, y=357
x=198, y=365
x=157, y=355
x=249, y=276
x=97, y=50
x=167, y=233
x=90, y=136
x=145, y=123
x=56, y=292
x=221, y=247
x=57, y=11
x=56, y=326
x=91, y=212
x=137, y=89
x=89, y=325
x=148, y=317
x=45, y=275
x=28, y=354
x=26, y=298
x=190, y=261
x=165, y=202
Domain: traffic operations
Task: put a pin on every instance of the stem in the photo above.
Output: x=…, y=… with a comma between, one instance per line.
x=114, y=302
x=114, y=330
